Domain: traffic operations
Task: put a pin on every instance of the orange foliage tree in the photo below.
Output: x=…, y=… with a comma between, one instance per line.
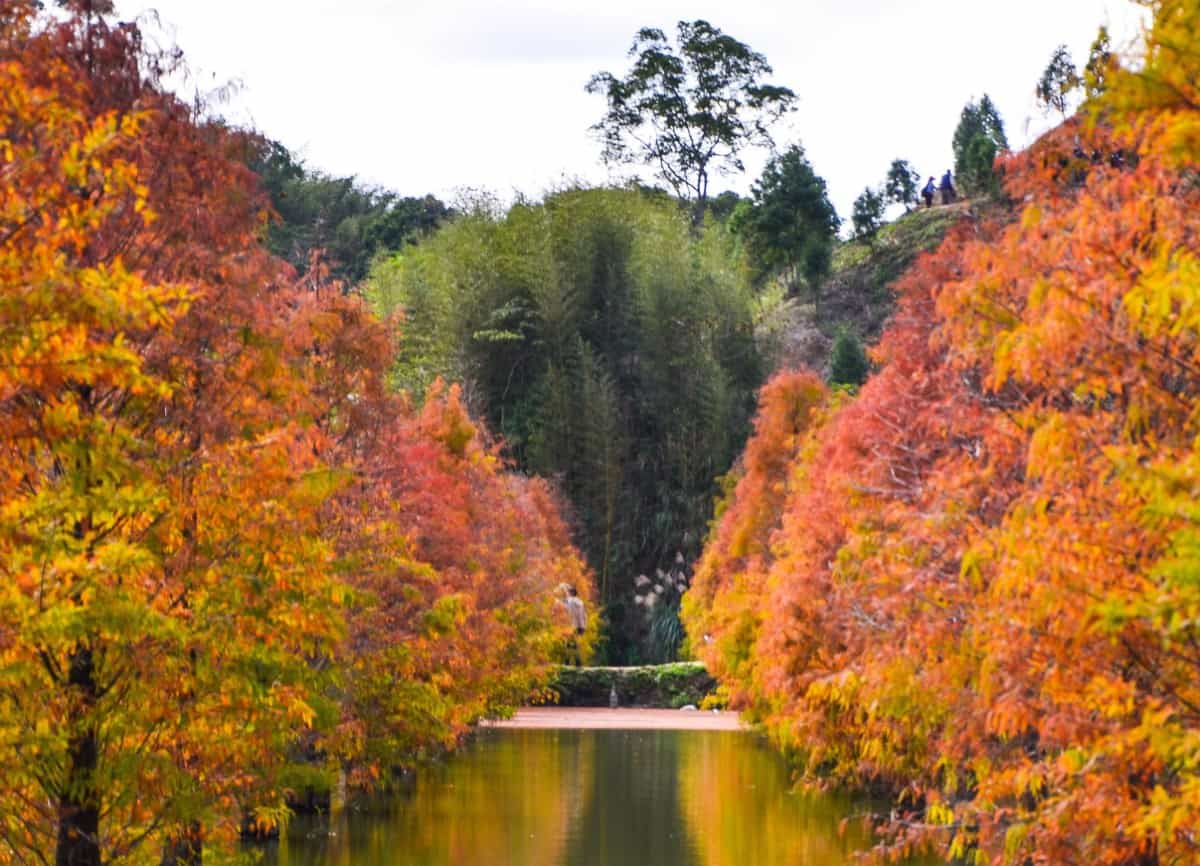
x=981, y=595
x=722, y=606
x=455, y=560
x=164, y=582
x=218, y=531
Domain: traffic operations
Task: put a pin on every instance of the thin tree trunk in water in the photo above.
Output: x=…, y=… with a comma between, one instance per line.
x=186, y=848
x=338, y=796
x=79, y=803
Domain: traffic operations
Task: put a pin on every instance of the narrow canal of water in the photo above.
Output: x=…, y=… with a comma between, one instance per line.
x=589, y=798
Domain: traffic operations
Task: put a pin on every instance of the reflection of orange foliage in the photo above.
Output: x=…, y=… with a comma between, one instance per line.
x=984, y=584
x=736, y=798
x=550, y=798
x=511, y=798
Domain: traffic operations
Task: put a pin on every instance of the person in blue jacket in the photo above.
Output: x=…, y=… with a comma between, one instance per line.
x=928, y=191
x=946, y=187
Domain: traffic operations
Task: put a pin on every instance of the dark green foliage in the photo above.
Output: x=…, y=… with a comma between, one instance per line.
x=611, y=345
x=689, y=111
x=848, y=364
x=1058, y=82
x=978, y=139
x=666, y=633
x=349, y=222
x=668, y=686
x=867, y=215
x=790, y=223
x=978, y=175
x=903, y=184
x=990, y=122
x=723, y=206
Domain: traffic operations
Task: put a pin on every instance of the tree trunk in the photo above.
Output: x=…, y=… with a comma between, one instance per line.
x=79, y=802
x=701, y=202
x=339, y=794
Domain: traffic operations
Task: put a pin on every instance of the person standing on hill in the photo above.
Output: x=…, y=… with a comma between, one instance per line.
x=577, y=614
x=928, y=191
x=947, y=188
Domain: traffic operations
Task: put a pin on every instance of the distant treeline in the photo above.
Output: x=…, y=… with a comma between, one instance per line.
x=340, y=218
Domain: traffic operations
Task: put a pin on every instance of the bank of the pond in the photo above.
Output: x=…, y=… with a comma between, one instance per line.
x=668, y=686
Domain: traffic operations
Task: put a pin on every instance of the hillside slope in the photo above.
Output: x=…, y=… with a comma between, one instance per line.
x=795, y=332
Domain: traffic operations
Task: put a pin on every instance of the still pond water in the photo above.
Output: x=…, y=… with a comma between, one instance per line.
x=589, y=798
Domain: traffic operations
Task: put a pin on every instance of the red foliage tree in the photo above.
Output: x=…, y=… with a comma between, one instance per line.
x=983, y=578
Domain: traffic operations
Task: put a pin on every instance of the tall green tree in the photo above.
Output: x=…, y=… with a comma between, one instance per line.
x=789, y=222
x=978, y=139
x=848, y=363
x=689, y=110
x=867, y=215
x=1059, y=81
x=902, y=184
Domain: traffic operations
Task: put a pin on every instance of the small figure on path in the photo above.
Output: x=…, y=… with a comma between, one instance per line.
x=947, y=188
x=928, y=191
x=577, y=613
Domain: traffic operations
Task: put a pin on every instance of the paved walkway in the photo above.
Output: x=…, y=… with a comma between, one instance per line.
x=588, y=718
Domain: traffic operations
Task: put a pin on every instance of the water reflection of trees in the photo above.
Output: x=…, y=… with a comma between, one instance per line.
x=735, y=798
x=510, y=800
x=633, y=815
x=592, y=798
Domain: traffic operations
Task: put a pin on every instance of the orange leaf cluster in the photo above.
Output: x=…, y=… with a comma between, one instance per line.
x=223, y=541
x=979, y=587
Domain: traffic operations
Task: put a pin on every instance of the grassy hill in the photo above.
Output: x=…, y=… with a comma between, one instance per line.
x=857, y=296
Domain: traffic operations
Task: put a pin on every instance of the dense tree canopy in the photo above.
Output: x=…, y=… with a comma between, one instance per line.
x=337, y=218
x=867, y=215
x=223, y=540
x=612, y=349
x=974, y=584
x=689, y=110
x=848, y=363
x=253, y=540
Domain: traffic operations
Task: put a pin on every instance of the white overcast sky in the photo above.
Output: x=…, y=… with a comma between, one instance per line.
x=436, y=95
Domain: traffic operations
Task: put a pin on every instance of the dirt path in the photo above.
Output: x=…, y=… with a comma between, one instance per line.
x=588, y=718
